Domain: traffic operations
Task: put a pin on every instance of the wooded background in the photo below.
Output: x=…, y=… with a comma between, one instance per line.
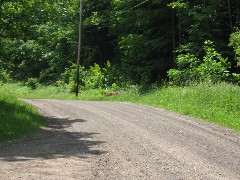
x=142, y=39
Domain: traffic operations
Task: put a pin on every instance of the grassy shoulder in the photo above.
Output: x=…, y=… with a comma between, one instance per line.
x=17, y=118
x=214, y=103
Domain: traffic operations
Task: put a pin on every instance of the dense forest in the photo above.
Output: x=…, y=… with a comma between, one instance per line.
x=137, y=41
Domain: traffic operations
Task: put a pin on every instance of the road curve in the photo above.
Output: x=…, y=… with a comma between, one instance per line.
x=108, y=141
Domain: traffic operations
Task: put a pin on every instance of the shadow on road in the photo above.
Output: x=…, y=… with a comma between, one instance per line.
x=55, y=141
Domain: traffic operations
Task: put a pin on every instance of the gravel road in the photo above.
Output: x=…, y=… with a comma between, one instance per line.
x=120, y=141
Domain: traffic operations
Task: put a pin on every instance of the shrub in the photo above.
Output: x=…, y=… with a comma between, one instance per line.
x=212, y=68
x=235, y=43
x=32, y=83
x=68, y=78
x=4, y=76
x=186, y=71
x=95, y=77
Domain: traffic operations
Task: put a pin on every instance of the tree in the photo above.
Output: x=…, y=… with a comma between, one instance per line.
x=141, y=38
x=38, y=37
x=235, y=43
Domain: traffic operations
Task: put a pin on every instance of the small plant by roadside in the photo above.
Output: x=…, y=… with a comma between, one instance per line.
x=32, y=83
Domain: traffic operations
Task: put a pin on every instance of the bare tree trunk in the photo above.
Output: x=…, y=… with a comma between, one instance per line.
x=237, y=13
x=173, y=35
x=207, y=21
x=179, y=31
x=230, y=15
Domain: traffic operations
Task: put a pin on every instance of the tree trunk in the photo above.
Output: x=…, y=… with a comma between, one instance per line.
x=237, y=14
x=179, y=31
x=173, y=35
x=207, y=22
x=230, y=15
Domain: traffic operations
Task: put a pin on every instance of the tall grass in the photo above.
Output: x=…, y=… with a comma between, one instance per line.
x=18, y=90
x=215, y=103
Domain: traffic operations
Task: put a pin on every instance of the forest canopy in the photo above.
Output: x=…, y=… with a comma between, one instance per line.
x=140, y=41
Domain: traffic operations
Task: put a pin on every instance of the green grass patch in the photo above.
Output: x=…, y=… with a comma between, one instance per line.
x=215, y=103
x=218, y=103
x=18, y=90
x=17, y=118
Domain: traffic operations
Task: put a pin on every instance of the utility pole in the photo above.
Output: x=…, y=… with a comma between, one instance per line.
x=79, y=47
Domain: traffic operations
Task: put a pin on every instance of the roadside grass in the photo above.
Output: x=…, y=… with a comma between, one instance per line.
x=17, y=118
x=214, y=103
x=218, y=103
x=18, y=90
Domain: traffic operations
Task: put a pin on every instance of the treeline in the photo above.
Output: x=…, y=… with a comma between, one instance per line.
x=142, y=39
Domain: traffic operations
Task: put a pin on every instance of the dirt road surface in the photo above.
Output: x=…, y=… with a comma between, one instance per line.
x=120, y=141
